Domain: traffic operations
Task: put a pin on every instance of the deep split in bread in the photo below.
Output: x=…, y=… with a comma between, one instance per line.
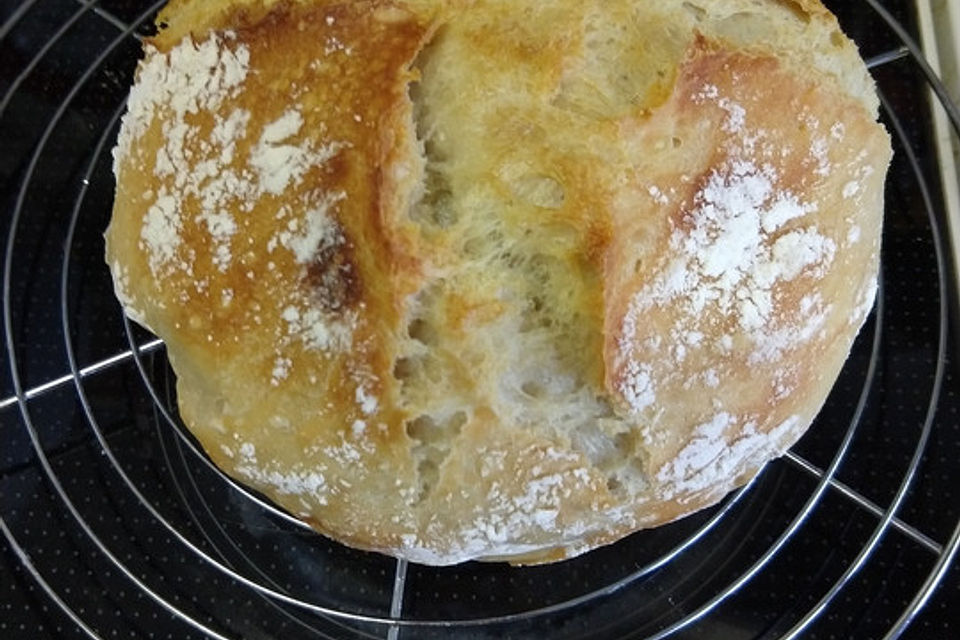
x=498, y=279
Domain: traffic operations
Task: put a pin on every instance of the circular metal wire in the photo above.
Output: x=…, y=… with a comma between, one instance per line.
x=11, y=350
x=27, y=563
x=279, y=599
x=952, y=547
x=188, y=544
x=188, y=441
x=910, y=474
x=808, y=507
x=261, y=575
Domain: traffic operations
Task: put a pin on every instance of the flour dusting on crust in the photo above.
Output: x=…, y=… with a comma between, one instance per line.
x=739, y=238
x=448, y=320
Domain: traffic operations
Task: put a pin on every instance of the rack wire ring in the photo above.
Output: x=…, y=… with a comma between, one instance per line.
x=683, y=545
x=947, y=554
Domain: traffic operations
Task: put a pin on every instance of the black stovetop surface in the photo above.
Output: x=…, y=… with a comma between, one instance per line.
x=65, y=68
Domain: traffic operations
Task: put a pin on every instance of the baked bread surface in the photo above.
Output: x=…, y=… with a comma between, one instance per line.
x=499, y=279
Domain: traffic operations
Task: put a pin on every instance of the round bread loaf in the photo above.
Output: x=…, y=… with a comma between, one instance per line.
x=498, y=279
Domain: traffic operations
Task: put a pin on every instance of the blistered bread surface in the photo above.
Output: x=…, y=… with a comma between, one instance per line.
x=498, y=279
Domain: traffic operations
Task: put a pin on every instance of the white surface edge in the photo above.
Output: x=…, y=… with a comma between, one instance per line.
x=939, y=22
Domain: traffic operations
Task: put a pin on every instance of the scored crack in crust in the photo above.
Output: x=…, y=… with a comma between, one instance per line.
x=498, y=279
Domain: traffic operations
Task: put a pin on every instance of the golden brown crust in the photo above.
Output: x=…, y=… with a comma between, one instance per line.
x=498, y=280
x=750, y=188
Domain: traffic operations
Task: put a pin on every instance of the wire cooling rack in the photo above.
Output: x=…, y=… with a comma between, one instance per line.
x=116, y=525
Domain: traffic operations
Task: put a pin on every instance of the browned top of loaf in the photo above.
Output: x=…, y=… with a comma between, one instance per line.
x=486, y=279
